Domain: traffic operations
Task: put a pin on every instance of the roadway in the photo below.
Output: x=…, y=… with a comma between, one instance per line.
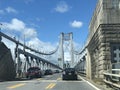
x=49, y=82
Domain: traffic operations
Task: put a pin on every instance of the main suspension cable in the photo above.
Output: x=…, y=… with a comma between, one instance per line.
x=78, y=53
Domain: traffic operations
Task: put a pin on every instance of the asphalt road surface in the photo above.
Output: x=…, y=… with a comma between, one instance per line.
x=49, y=82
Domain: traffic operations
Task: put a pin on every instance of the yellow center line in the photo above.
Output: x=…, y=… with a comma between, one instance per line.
x=50, y=86
x=15, y=86
x=58, y=78
x=53, y=85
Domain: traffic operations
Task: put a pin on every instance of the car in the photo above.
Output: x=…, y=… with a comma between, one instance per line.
x=34, y=72
x=48, y=72
x=69, y=74
x=57, y=71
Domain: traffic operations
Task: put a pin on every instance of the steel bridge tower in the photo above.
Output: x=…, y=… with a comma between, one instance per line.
x=66, y=38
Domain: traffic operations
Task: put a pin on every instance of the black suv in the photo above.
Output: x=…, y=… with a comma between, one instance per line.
x=33, y=72
x=69, y=74
x=48, y=72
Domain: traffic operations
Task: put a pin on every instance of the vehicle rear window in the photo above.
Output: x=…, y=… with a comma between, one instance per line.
x=69, y=69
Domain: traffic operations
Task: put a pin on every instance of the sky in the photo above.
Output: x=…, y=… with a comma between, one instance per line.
x=40, y=22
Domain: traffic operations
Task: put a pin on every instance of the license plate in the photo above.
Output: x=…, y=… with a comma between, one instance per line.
x=69, y=73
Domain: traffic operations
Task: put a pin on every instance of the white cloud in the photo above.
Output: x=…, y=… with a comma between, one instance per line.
x=29, y=32
x=76, y=24
x=15, y=24
x=20, y=27
x=11, y=10
x=8, y=10
x=62, y=7
x=40, y=45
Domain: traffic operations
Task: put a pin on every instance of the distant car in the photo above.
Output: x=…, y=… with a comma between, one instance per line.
x=57, y=71
x=33, y=72
x=48, y=72
x=69, y=74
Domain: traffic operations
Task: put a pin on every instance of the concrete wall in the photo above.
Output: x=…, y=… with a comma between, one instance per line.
x=7, y=68
x=106, y=12
x=99, y=48
x=104, y=30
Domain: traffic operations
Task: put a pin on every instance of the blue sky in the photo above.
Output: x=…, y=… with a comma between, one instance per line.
x=43, y=20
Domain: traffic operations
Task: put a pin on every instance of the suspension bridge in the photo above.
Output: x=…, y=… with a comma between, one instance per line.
x=99, y=59
x=34, y=58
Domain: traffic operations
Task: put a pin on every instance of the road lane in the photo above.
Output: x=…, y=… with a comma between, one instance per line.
x=50, y=86
x=49, y=82
x=15, y=86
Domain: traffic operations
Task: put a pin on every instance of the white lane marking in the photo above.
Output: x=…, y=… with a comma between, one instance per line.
x=93, y=85
x=89, y=83
x=82, y=78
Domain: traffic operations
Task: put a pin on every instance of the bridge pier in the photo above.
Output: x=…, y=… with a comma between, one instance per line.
x=19, y=63
x=101, y=50
x=28, y=63
x=46, y=66
x=41, y=63
x=88, y=65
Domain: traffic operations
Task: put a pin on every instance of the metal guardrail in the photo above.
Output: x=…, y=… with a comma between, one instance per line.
x=83, y=73
x=112, y=78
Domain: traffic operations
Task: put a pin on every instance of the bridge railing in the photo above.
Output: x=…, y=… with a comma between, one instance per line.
x=83, y=73
x=112, y=77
